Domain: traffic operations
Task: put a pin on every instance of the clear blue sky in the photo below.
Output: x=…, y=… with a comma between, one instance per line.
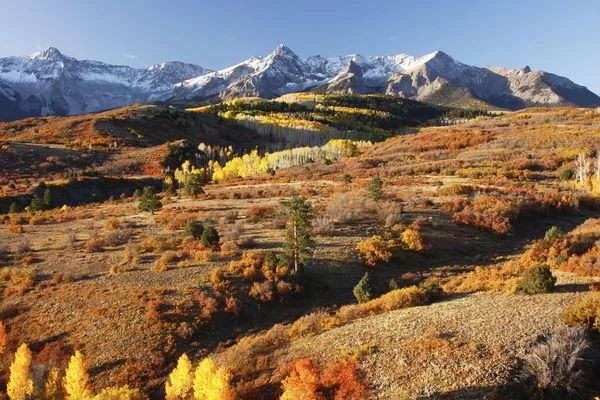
x=557, y=36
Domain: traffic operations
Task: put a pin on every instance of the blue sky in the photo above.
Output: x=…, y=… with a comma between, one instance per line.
x=556, y=36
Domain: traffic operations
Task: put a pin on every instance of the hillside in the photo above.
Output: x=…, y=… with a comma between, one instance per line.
x=446, y=220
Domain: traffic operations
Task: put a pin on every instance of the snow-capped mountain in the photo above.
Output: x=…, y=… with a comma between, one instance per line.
x=440, y=76
x=435, y=77
x=50, y=83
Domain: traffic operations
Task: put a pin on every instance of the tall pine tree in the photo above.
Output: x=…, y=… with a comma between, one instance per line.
x=298, y=243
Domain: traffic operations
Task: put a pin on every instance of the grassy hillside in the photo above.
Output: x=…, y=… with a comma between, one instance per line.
x=447, y=221
x=364, y=117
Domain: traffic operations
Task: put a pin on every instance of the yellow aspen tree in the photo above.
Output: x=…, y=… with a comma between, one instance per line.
x=119, y=393
x=52, y=389
x=77, y=381
x=3, y=338
x=20, y=385
x=179, y=384
x=212, y=382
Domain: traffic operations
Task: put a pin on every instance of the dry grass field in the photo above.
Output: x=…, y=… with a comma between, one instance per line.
x=463, y=213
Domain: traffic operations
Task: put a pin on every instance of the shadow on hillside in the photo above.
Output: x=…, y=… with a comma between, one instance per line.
x=572, y=288
x=513, y=391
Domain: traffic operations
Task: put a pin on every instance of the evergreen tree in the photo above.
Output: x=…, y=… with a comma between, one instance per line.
x=298, y=243
x=192, y=185
x=374, y=190
x=37, y=204
x=15, y=208
x=194, y=228
x=210, y=237
x=20, y=385
x=362, y=291
x=47, y=199
x=149, y=200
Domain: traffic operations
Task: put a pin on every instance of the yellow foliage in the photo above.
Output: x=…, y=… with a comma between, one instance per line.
x=119, y=393
x=211, y=382
x=411, y=239
x=52, y=388
x=302, y=383
x=376, y=249
x=77, y=381
x=20, y=385
x=179, y=384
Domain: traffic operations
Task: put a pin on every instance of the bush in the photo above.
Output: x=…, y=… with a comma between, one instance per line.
x=94, y=245
x=374, y=190
x=537, y=279
x=566, y=175
x=323, y=225
x=193, y=228
x=112, y=224
x=553, y=233
x=210, y=237
x=15, y=208
x=117, y=237
x=584, y=312
x=411, y=240
x=16, y=228
x=555, y=363
x=375, y=249
x=362, y=291
x=433, y=290
x=256, y=213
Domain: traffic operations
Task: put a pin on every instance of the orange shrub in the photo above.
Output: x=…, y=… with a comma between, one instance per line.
x=112, y=224
x=94, y=245
x=256, y=213
x=375, y=249
x=16, y=228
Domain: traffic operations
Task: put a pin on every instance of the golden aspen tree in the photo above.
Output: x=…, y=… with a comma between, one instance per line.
x=52, y=388
x=212, y=382
x=3, y=338
x=20, y=385
x=77, y=381
x=179, y=384
x=119, y=393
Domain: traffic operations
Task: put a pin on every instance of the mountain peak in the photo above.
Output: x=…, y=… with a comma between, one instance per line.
x=282, y=49
x=51, y=53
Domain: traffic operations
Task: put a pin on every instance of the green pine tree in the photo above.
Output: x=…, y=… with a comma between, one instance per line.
x=362, y=291
x=149, y=200
x=298, y=243
x=193, y=185
x=374, y=190
x=37, y=204
x=47, y=199
x=15, y=208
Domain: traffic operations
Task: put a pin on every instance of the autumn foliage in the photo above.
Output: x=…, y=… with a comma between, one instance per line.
x=339, y=380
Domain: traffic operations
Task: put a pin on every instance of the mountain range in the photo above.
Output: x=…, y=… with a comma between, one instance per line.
x=51, y=83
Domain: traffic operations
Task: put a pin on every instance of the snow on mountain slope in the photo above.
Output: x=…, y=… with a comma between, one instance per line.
x=499, y=87
x=51, y=83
